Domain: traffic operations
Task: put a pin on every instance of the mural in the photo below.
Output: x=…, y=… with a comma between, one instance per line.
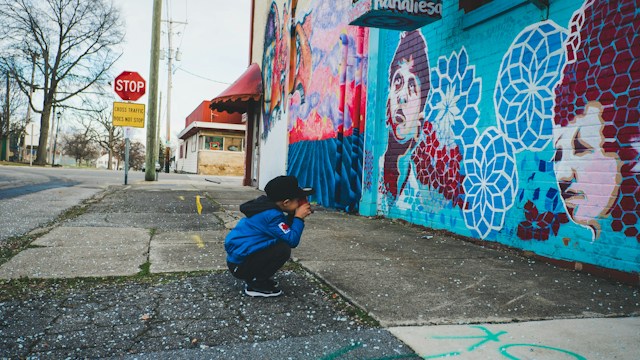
x=597, y=118
x=524, y=91
x=408, y=89
x=490, y=182
x=452, y=128
x=274, y=67
x=550, y=163
x=523, y=100
x=313, y=76
x=537, y=147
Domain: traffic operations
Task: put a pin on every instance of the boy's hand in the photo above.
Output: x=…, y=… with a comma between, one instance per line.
x=303, y=211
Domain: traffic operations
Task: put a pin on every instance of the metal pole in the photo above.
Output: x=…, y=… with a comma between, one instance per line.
x=55, y=141
x=152, y=113
x=156, y=151
x=31, y=152
x=53, y=127
x=6, y=116
x=109, y=165
x=158, y=134
x=126, y=158
x=33, y=71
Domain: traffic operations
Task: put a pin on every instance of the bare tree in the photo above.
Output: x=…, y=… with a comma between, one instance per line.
x=69, y=44
x=136, y=153
x=99, y=124
x=80, y=146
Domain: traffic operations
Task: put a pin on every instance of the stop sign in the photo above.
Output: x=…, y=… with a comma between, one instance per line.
x=130, y=85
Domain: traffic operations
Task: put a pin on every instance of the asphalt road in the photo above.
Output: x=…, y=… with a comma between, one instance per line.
x=185, y=315
x=34, y=196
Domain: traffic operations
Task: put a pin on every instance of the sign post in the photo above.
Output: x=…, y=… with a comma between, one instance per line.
x=129, y=85
x=127, y=148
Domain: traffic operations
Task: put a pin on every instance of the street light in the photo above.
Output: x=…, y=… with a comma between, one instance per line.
x=34, y=56
x=55, y=142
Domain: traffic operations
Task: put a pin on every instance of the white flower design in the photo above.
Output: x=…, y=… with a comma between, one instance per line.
x=490, y=182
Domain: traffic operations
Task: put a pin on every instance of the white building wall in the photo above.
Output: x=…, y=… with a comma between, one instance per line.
x=274, y=146
x=189, y=161
x=273, y=153
x=103, y=161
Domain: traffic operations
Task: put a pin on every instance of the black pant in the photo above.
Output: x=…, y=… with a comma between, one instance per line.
x=261, y=265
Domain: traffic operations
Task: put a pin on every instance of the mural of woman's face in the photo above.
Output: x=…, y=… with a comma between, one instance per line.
x=404, y=106
x=269, y=55
x=588, y=177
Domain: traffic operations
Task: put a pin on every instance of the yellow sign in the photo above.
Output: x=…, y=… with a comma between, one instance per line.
x=128, y=114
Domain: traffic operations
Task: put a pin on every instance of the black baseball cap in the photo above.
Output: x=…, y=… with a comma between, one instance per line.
x=285, y=187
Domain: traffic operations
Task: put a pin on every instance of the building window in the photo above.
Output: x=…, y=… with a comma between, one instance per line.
x=470, y=5
x=213, y=142
x=477, y=12
x=233, y=144
x=220, y=142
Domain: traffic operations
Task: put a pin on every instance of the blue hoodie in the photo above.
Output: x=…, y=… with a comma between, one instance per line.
x=264, y=225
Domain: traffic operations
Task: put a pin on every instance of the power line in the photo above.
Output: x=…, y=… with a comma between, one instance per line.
x=202, y=77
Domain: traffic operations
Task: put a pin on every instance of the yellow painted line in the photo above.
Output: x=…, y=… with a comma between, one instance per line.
x=198, y=204
x=181, y=197
x=198, y=240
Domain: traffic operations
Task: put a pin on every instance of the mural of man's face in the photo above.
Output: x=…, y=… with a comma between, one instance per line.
x=588, y=177
x=404, y=109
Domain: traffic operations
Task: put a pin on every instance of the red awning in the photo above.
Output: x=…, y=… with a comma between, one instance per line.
x=242, y=94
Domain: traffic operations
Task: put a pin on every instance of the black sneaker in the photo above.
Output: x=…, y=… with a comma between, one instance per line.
x=262, y=284
x=267, y=292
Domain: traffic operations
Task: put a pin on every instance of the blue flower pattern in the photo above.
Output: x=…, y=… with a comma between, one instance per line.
x=453, y=100
x=490, y=182
x=524, y=94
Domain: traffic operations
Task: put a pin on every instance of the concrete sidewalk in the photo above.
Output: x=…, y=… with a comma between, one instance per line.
x=437, y=293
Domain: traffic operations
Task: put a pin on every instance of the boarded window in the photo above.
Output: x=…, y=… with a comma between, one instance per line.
x=470, y=5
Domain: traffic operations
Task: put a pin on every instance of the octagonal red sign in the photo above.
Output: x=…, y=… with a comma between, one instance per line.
x=130, y=85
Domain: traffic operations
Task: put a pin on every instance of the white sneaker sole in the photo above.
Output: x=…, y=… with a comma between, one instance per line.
x=253, y=293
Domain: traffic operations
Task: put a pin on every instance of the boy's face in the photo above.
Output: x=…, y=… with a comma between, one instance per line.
x=290, y=205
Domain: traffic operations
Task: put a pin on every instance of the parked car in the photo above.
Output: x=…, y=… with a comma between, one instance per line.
x=157, y=166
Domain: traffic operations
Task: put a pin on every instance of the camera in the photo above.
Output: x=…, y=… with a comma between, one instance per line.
x=307, y=191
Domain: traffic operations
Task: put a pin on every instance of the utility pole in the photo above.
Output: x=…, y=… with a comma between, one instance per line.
x=167, y=149
x=152, y=113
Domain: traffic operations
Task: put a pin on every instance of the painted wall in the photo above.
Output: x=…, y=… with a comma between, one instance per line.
x=521, y=129
x=314, y=94
x=270, y=38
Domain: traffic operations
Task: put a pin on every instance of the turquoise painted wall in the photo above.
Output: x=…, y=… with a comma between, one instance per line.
x=512, y=124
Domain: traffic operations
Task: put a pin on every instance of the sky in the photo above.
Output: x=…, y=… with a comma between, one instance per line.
x=213, y=51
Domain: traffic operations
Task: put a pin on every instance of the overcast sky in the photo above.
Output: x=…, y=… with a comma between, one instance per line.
x=213, y=45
